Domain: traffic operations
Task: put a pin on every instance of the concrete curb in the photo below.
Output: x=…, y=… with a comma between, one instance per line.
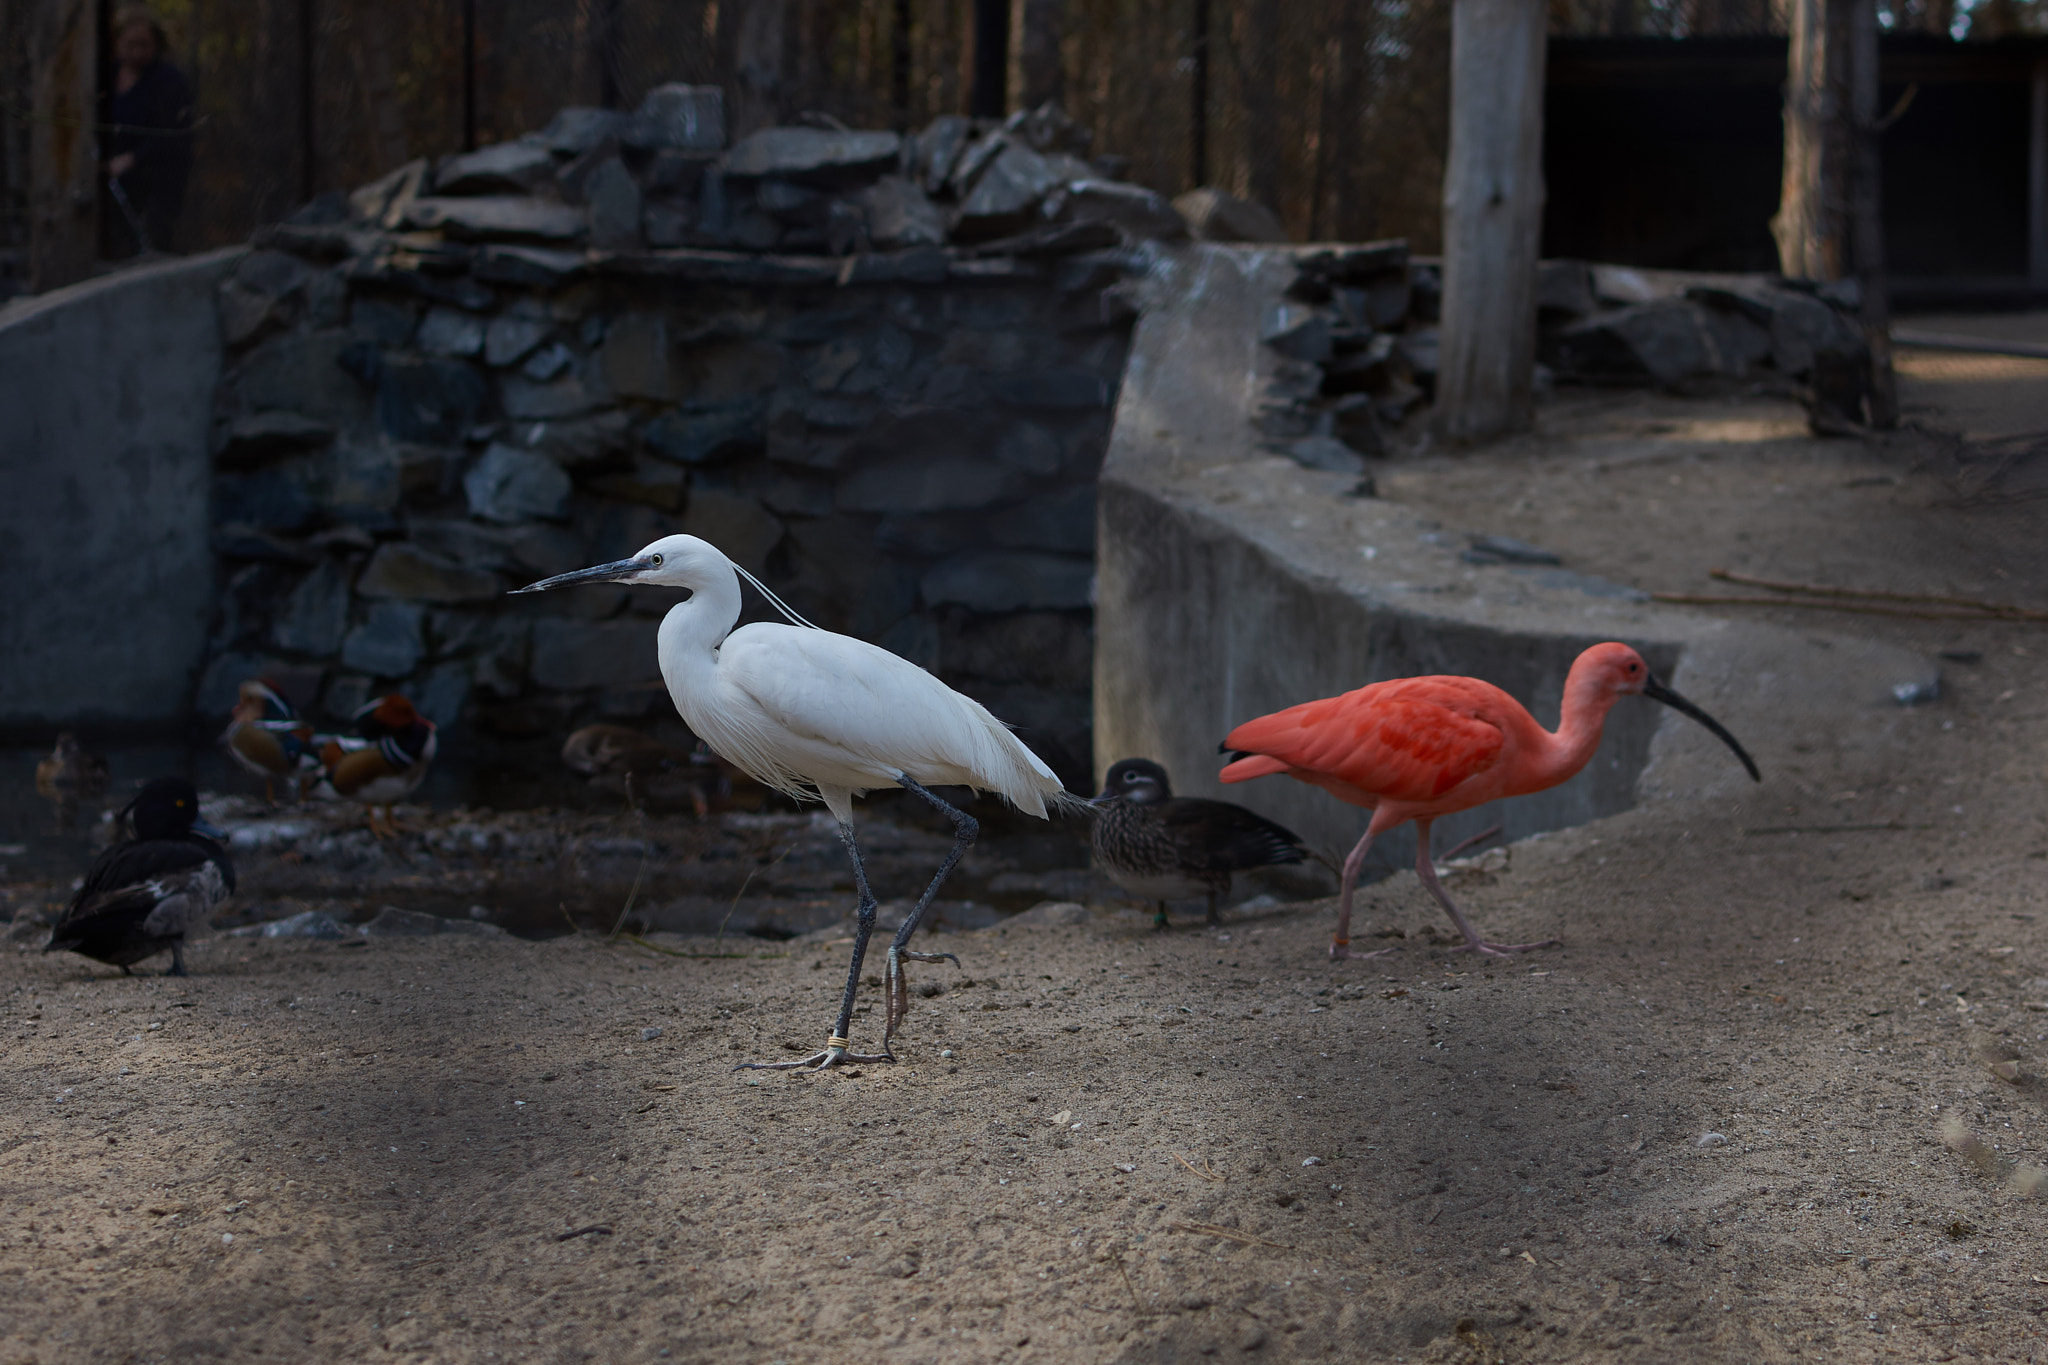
x=1233, y=582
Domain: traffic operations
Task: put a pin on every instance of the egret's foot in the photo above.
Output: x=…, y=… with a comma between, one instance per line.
x=1340, y=951
x=898, y=985
x=833, y=1054
x=1159, y=921
x=1480, y=945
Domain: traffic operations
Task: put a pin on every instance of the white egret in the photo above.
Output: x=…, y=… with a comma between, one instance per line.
x=826, y=717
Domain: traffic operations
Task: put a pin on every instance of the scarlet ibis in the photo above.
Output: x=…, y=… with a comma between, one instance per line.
x=1421, y=748
x=71, y=775
x=1161, y=847
x=143, y=896
x=267, y=738
x=825, y=717
x=383, y=768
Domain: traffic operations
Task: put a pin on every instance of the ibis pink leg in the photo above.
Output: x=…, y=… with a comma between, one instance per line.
x=1425, y=868
x=1340, y=945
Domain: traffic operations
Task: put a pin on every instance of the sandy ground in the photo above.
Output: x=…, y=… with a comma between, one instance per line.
x=1708, y=1128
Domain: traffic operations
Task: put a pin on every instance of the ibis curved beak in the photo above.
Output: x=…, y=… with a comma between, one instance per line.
x=1657, y=691
x=603, y=573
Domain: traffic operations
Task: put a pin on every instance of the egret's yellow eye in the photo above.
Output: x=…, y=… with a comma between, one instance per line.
x=657, y=561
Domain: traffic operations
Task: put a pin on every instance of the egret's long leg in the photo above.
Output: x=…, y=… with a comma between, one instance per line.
x=834, y=1050
x=965, y=828
x=1425, y=868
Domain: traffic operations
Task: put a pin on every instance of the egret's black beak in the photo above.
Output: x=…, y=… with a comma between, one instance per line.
x=603, y=573
x=1657, y=691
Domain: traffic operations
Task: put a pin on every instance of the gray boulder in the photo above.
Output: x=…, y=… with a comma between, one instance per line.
x=1061, y=521
x=614, y=200
x=508, y=484
x=1010, y=580
x=938, y=149
x=451, y=332
x=392, y=922
x=574, y=131
x=262, y=436
x=388, y=644
x=899, y=215
x=1803, y=327
x=813, y=155
x=1564, y=289
x=315, y=924
x=573, y=655
x=1132, y=209
x=936, y=483
x=315, y=617
x=1214, y=216
x=499, y=218
x=1012, y=185
x=680, y=117
x=696, y=434
x=510, y=339
x=738, y=525
x=582, y=443
x=430, y=402
x=517, y=167
x=525, y=400
x=408, y=573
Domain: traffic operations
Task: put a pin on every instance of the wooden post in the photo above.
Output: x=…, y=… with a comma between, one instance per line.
x=1198, y=98
x=1493, y=218
x=988, y=94
x=1867, y=221
x=2037, y=179
x=1811, y=226
x=1035, y=72
x=64, y=191
x=759, y=45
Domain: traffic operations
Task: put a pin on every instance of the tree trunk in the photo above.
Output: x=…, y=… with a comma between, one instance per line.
x=2037, y=177
x=1811, y=226
x=64, y=170
x=1035, y=72
x=1867, y=230
x=1493, y=218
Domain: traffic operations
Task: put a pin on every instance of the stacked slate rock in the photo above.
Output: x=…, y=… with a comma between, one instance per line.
x=1353, y=354
x=1355, y=342
x=876, y=369
x=1681, y=330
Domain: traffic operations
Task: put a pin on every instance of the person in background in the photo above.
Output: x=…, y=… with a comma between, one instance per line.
x=150, y=150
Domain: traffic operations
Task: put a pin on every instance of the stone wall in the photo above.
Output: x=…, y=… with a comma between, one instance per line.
x=105, y=399
x=443, y=390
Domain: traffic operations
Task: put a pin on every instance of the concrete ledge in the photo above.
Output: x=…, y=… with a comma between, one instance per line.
x=106, y=395
x=1232, y=582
